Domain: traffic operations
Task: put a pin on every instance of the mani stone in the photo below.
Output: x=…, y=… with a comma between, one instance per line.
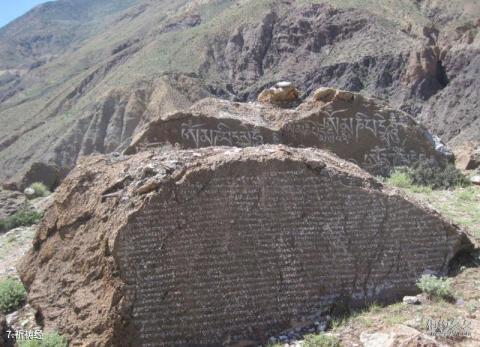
x=364, y=131
x=229, y=247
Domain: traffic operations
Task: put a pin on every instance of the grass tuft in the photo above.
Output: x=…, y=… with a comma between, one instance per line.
x=400, y=179
x=40, y=189
x=49, y=340
x=12, y=295
x=21, y=218
x=434, y=287
x=321, y=340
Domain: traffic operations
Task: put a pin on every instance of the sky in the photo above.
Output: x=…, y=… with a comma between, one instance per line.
x=11, y=9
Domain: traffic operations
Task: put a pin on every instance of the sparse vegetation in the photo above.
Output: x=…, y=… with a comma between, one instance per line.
x=434, y=287
x=400, y=179
x=427, y=175
x=460, y=204
x=430, y=174
x=24, y=217
x=12, y=295
x=321, y=340
x=49, y=340
x=40, y=189
x=466, y=195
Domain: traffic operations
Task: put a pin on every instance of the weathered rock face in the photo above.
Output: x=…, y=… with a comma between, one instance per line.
x=467, y=156
x=10, y=202
x=5, y=338
x=361, y=130
x=214, y=246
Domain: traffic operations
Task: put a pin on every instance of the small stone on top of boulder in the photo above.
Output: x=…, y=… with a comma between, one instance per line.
x=282, y=93
x=326, y=94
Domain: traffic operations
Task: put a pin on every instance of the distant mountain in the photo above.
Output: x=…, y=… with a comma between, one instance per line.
x=50, y=29
x=78, y=77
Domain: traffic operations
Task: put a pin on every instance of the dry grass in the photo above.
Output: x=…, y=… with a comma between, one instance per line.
x=461, y=205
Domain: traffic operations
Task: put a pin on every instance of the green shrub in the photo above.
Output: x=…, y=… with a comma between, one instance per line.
x=434, y=287
x=40, y=189
x=49, y=340
x=12, y=295
x=21, y=218
x=321, y=340
x=400, y=178
x=429, y=173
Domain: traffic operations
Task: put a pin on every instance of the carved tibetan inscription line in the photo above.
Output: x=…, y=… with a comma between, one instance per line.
x=223, y=135
x=333, y=128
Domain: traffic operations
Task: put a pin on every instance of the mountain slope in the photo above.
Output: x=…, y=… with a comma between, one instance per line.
x=51, y=28
x=132, y=61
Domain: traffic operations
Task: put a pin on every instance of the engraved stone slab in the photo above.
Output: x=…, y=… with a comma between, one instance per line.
x=361, y=130
x=229, y=245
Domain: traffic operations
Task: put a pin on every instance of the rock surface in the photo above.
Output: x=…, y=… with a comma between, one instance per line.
x=5, y=341
x=467, y=156
x=365, y=131
x=411, y=300
x=226, y=245
x=10, y=202
x=399, y=336
x=475, y=180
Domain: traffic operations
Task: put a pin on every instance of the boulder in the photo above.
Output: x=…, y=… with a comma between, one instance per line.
x=467, y=156
x=411, y=300
x=398, y=336
x=475, y=180
x=364, y=131
x=29, y=193
x=228, y=245
x=11, y=186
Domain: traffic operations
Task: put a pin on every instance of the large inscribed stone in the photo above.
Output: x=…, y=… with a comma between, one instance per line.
x=221, y=245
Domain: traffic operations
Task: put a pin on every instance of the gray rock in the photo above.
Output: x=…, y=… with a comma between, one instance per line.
x=29, y=193
x=411, y=300
x=475, y=180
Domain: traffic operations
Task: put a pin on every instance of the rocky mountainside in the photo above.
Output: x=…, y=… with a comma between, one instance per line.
x=79, y=77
